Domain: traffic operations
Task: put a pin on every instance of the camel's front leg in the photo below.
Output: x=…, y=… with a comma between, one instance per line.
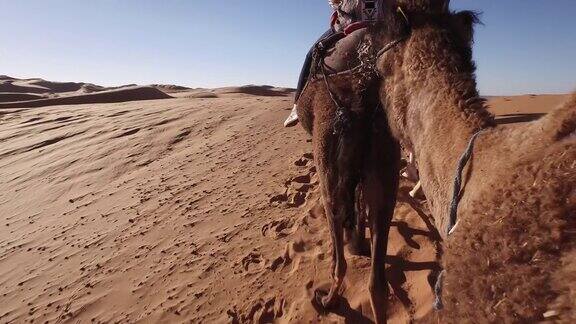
x=338, y=158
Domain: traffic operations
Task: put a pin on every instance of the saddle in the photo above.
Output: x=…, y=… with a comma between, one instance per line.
x=339, y=52
x=344, y=54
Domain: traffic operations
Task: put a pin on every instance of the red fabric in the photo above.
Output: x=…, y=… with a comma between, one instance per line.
x=333, y=19
x=354, y=27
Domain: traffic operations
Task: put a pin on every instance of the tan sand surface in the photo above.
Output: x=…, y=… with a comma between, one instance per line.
x=525, y=108
x=201, y=210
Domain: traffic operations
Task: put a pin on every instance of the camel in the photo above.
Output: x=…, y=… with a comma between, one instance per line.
x=358, y=163
x=511, y=258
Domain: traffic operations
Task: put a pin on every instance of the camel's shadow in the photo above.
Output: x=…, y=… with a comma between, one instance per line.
x=396, y=276
x=518, y=118
x=345, y=311
x=398, y=266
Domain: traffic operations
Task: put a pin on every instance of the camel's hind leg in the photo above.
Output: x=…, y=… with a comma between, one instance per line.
x=338, y=158
x=380, y=185
x=356, y=237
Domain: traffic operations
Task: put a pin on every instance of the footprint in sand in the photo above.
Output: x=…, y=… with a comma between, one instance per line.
x=253, y=263
x=264, y=310
x=279, y=198
x=297, y=188
x=278, y=228
x=301, y=162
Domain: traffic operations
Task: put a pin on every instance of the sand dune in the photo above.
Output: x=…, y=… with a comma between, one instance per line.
x=170, y=88
x=265, y=91
x=110, y=96
x=525, y=108
x=15, y=96
x=40, y=86
x=237, y=92
x=182, y=210
x=28, y=93
x=525, y=104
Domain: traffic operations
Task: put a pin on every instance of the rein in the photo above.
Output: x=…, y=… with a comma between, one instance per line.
x=453, y=221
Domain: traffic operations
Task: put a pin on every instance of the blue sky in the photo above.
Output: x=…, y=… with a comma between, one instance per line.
x=525, y=46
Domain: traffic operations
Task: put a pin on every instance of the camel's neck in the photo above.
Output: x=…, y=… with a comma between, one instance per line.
x=440, y=120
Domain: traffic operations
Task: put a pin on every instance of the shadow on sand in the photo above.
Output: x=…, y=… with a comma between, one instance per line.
x=397, y=265
x=518, y=118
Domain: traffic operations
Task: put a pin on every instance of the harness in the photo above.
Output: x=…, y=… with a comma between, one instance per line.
x=366, y=68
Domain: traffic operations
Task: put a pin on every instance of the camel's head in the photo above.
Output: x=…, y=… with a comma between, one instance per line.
x=435, y=56
x=433, y=33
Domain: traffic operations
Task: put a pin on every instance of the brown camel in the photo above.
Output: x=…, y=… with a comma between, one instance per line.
x=512, y=258
x=357, y=161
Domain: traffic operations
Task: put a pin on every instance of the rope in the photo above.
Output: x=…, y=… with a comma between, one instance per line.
x=325, y=78
x=458, y=183
x=438, y=304
x=341, y=119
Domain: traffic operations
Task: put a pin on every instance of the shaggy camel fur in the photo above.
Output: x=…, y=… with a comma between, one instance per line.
x=512, y=257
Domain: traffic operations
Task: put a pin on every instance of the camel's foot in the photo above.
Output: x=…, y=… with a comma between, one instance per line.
x=317, y=301
x=359, y=247
x=356, y=242
x=324, y=301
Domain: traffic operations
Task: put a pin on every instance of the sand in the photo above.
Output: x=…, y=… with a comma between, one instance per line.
x=186, y=209
x=525, y=108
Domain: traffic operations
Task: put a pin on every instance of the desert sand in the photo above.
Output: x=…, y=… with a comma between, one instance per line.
x=195, y=206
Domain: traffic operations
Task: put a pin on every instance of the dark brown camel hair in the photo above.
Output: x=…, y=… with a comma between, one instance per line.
x=512, y=258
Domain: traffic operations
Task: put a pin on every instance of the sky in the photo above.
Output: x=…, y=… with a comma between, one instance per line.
x=524, y=46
